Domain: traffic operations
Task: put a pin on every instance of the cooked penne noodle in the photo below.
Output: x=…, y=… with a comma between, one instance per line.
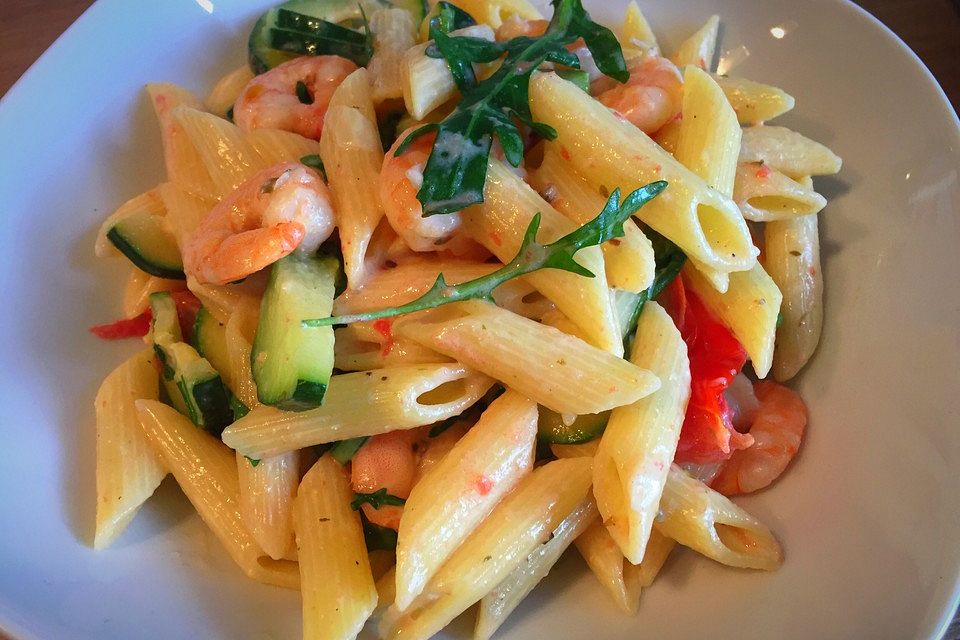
x=499, y=224
x=361, y=404
x=792, y=255
x=267, y=490
x=207, y=472
x=136, y=293
x=558, y=371
x=610, y=153
x=521, y=522
x=336, y=583
x=636, y=36
x=699, y=48
x=639, y=443
x=148, y=202
x=754, y=102
x=658, y=550
x=764, y=194
x=559, y=321
x=460, y=490
x=749, y=307
x=352, y=156
x=628, y=261
x=360, y=347
x=393, y=33
x=185, y=211
x=184, y=165
x=221, y=147
x=238, y=375
x=274, y=146
x=426, y=81
x=494, y=12
x=227, y=89
x=584, y=449
x=506, y=596
x=222, y=299
x=698, y=517
x=788, y=152
x=128, y=469
x=602, y=554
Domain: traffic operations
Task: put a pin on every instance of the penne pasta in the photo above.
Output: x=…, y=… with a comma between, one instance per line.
x=128, y=469
x=207, y=473
x=267, y=490
x=360, y=347
x=521, y=522
x=494, y=12
x=639, y=443
x=222, y=148
x=336, y=583
x=136, y=293
x=658, y=550
x=185, y=211
x=148, y=202
x=750, y=308
x=183, y=162
x=274, y=146
x=754, y=102
x=558, y=371
x=788, y=152
x=506, y=596
x=227, y=89
x=222, y=299
x=699, y=48
x=611, y=153
x=426, y=81
x=602, y=554
x=628, y=261
x=352, y=155
x=499, y=224
x=636, y=36
x=792, y=255
x=764, y=195
x=698, y=517
x=393, y=33
x=460, y=490
x=237, y=374
x=361, y=404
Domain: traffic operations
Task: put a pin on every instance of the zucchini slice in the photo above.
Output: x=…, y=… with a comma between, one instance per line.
x=291, y=363
x=193, y=385
x=210, y=340
x=550, y=427
x=143, y=238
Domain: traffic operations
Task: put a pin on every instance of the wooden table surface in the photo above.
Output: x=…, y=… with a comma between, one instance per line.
x=930, y=27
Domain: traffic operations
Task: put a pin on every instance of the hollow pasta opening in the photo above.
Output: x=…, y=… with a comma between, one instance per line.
x=445, y=393
x=778, y=204
x=727, y=238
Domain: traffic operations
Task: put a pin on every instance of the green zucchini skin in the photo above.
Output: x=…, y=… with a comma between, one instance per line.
x=193, y=386
x=292, y=364
x=148, y=245
x=551, y=429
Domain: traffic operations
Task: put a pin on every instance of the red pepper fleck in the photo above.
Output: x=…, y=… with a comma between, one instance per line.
x=385, y=328
x=188, y=306
x=130, y=328
x=482, y=484
x=763, y=172
x=564, y=153
x=813, y=272
x=496, y=239
x=702, y=63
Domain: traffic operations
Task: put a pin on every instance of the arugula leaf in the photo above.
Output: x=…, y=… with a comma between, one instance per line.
x=456, y=170
x=314, y=162
x=376, y=537
x=453, y=17
x=532, y=256
x=377, y=499
x=669, y=261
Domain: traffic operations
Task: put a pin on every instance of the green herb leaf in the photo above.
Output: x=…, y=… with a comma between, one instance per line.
x=253, y=462
x=456, y=170
x=314, y=162
x=532, y=256
x=377, y=499
x=378, y=538
x=344, y=450
x=453, y=17
x=669, y=261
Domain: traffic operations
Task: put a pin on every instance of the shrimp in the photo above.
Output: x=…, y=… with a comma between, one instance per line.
x=652, y=97
x=400, y=179
x=385, y=461
x=279, y=210
x=777, y=429
x=292, y=96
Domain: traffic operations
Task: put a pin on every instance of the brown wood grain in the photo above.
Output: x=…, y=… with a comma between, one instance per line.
x=929, y=27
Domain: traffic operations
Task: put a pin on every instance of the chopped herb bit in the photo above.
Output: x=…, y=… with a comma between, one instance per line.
x=314, y=162
x=532, y=256
x=453, y=17
x=344, y=450
x=230, y=113
x=669, y=261
x=269, y=185
x=253, y=462
x=378, y=538
x=456, y=170
x=779, y=319
x=303, y=93
x=377, y=499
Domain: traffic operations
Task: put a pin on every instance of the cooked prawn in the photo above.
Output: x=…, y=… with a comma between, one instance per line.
x=385, y=461
x=777, y=429
x=281, y=209
x=400, y=179
x=652, y=97
x=272, y=100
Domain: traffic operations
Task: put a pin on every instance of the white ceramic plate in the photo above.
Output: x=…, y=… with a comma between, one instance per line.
x=869, y=516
